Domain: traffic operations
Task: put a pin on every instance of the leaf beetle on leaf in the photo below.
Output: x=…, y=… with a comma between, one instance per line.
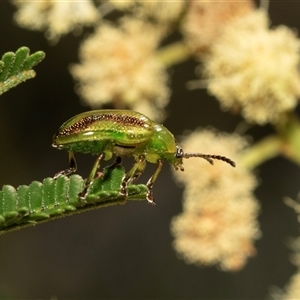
x=111, y=132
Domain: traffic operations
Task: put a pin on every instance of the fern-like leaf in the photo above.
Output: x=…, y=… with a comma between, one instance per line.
x=55, y=198
x=17, y=67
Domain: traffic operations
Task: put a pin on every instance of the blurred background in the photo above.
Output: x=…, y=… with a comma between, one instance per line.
x=125, y=252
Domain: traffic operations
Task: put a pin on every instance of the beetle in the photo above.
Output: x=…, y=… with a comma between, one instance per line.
x=109, y=132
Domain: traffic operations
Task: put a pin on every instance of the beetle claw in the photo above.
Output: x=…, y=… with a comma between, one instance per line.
x=150, y=198
x=82, y=194
x=123, y=189
x=125, y=195
x=123, y=192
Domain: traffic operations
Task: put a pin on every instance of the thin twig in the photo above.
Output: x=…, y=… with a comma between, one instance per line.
x=264, y=4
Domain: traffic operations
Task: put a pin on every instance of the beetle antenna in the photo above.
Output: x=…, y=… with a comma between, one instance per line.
x=210, y=157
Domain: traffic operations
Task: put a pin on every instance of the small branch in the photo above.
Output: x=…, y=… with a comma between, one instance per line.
x=197, y=84
x=262, y=151
x=264, y=4
x=174, y=54
x=286, y=143
x=289, y=133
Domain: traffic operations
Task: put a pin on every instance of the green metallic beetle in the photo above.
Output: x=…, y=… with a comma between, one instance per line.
x=122, y=133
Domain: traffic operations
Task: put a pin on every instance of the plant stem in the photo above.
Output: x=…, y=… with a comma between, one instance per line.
x=262, y=151
x=289, y=133
x=286, y=142
x=173, y=54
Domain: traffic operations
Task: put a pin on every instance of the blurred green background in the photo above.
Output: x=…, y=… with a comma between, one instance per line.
x=125, y=252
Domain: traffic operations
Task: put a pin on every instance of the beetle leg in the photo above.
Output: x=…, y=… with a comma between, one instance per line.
x=133, y=174
x=91, y=177
x=151, y=181
x=118, y=161
x=72, y=166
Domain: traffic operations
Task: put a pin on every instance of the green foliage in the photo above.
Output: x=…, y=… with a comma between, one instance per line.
x=41, y=202
x=17, y=67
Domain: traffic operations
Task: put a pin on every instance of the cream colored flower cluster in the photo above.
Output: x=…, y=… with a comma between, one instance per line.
x=292, y=289
x=205, y=20
x=119, y=63
x=162, y=11
x=254, y=70
x=56, y=17
x=218, y=224
x=119, y=66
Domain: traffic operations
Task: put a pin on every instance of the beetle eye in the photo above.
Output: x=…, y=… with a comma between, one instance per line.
x=179, y=152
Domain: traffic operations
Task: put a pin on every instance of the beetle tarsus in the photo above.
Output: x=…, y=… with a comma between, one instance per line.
x=83, y=193
x=123, y=194
x=72, y=166
x=123, y=189
x=150, y=198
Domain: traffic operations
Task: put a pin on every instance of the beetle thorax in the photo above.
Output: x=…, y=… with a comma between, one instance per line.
x=162, y=145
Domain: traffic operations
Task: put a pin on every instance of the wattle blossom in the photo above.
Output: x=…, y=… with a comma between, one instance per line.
x=119, y=66
x=218, y=224
x=254, y=70
x=55, y=17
